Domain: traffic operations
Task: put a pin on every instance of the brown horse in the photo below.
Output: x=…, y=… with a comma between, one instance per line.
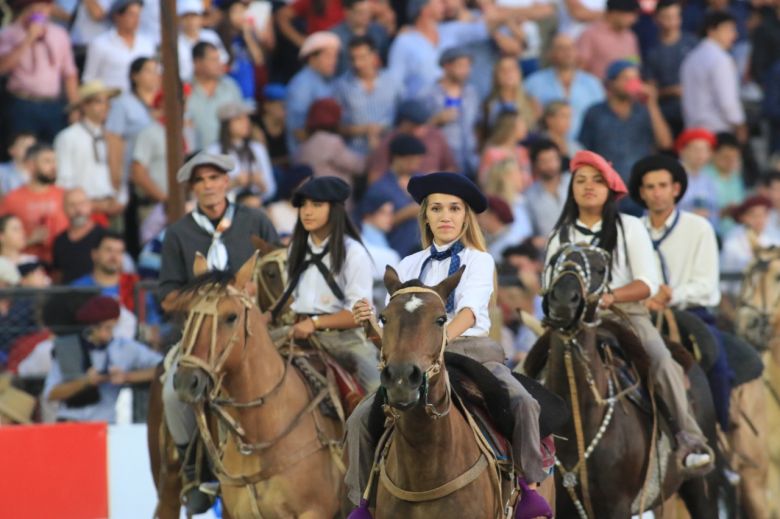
x=279, y=457
x=270, y=277
x=604, y=466
x=758, y=321
x=433, y=465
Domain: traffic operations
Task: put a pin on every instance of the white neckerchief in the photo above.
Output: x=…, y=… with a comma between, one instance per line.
x=217, y=256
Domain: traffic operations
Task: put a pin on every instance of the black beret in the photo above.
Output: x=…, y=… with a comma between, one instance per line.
x=654, y=163
x=449, y=184
x=322, y=189
x=403, y=145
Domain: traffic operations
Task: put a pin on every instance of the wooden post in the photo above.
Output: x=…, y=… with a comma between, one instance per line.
x=172, y=106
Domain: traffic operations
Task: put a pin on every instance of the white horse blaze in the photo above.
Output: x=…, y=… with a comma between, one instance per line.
x=413, y=304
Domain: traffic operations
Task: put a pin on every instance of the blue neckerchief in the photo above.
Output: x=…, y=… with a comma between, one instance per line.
x=453, y=252
x=657, y=247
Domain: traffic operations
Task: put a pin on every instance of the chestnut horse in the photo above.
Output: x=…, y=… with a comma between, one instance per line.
x=758, y=322
x=270, y=277
x=279, y=456
x=604, y=466
x=433, y=465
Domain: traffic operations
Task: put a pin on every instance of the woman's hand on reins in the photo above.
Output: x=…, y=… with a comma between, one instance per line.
x=362, y=311
x=303, y=329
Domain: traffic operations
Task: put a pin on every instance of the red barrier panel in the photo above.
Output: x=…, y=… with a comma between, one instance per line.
x=54, y=471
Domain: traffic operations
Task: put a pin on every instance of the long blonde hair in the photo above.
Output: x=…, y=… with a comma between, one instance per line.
x=497, y=180
x=471, y=236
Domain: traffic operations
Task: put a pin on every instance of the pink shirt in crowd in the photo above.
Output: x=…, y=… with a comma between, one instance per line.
x=600, y=45
x=43, y=65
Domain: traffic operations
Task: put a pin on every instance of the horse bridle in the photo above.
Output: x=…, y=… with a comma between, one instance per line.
x=434, y=369
x=760, y=266
x=564, y=265
x=278, y=257
x=205, y=307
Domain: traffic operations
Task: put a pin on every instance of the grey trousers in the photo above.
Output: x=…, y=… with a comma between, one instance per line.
x=350, y=348
x=179, y=416
x=526, y=446
x=668, y=374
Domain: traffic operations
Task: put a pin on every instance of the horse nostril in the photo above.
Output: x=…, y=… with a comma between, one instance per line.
x=574, y=297
x=194, y=383
x=415, y=377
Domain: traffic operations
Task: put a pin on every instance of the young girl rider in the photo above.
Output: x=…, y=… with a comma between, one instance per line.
x=451, y=238
x=590, y=215
x=330, y=270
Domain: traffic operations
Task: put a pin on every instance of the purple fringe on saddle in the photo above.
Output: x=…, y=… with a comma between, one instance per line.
x=531, y=504
x=361, y=512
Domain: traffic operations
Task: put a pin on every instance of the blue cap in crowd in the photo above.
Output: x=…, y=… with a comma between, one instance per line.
x=413, y=8
x=452, y=54
x=413, y=110
x=404, y=145
x=372, y=201
x=617, y=67
x=120, y=5
x=274, y=92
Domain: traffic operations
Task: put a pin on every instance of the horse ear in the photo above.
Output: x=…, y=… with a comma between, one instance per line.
x=445, y=288
x=200, y=266
x=244, y=274
x=261, y=245
x=392, y=282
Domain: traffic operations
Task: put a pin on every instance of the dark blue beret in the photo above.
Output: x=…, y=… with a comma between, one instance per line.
x=322, y=189
x=449, y=184
x=403, y=145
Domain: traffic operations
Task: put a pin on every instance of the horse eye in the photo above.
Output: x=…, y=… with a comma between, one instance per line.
x=382, y=319
x=441, y=321
x=231, y=318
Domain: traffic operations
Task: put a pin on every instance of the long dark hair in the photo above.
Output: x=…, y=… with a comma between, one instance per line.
x=340, y=225
x=610, y=220
x=244, y=152
x=135, y=67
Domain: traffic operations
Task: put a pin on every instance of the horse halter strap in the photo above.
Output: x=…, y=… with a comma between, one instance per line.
x=206, y=307
x=277, y=257
x=435, y=368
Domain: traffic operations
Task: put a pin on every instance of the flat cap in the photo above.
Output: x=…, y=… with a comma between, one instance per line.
x=404, y=145
x=373, y=200
x=223, y=163
x=413, y=110
x=233, y=109
x=119, y=5
x=452, y=54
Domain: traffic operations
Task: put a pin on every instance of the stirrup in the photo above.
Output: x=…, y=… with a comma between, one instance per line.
x=210, y=488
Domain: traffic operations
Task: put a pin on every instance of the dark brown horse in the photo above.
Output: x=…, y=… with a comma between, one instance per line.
x=603, y=464
x=433, y=465
x=270, y=278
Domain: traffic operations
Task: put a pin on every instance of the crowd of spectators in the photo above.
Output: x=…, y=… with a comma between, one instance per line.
x=374, y=92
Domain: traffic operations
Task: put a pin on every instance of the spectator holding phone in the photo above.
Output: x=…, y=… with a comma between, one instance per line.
x=91, y=367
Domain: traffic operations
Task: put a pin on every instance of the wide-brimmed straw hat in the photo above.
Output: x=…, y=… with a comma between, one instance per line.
x=15, y=403
x=91, y=89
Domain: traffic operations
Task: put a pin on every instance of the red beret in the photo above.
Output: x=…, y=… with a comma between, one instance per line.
x=749, y=203
x=612, y=178
x=98, y=309
x=501, y=209
x=324, y=113
x=693, y=134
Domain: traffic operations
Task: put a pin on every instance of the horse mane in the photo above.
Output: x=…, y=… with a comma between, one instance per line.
x=219, y=279
x=411, y=283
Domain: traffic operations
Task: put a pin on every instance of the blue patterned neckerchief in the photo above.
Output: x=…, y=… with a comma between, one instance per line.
x=453, y=252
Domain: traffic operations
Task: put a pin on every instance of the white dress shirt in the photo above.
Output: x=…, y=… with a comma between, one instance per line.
x=640, y=265
x=772, y=231
x=185, y=46
x=737, y=254
x=313, y=296
x=109, y=58
x=473, y=291
x=690, y=255
x=81, y=160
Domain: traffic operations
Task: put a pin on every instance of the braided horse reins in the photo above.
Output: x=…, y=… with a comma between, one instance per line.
x=485, y=459
x=206, y=307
